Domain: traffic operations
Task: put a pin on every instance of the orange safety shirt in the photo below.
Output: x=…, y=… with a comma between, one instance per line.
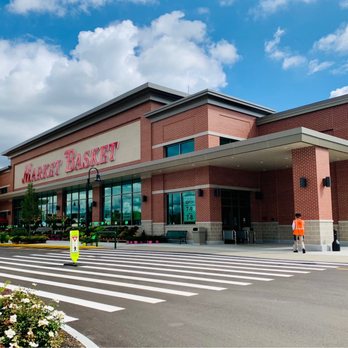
x=298, y=227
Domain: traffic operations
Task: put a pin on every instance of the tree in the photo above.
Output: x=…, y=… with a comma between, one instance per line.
x=30, y=207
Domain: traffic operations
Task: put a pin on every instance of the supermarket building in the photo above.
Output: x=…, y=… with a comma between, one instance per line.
x=173, y=161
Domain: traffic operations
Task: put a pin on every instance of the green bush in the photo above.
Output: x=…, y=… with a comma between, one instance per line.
x=29, y=239
x=26, y=321
x=4, y=237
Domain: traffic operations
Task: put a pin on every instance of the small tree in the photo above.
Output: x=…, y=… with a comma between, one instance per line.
x=30, y=207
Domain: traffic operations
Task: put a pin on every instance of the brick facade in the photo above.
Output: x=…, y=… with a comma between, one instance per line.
x=167, y=117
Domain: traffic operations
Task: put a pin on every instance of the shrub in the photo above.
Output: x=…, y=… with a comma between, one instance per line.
x=29, y=239
x=26, y=321
x=4, y=237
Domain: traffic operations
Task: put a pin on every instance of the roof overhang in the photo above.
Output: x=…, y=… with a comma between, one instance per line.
x=259, y=154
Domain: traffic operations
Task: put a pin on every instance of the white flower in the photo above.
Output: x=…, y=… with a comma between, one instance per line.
x=30, y=332
x=43, y=322
x=49, y=308
x=33, y=284
x=13, y=318
x=51, y=334
x=14, y=345
x=33, y=344
x=10, y=333
x=25, y=300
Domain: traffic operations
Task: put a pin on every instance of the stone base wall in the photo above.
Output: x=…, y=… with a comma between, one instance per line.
x=214, y=231
x=318, y=235
x=342, y=229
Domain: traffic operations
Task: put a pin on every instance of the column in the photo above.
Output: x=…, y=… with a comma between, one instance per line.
x=311, y=197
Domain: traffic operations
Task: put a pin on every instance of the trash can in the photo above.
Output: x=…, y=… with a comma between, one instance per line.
x=199, y=235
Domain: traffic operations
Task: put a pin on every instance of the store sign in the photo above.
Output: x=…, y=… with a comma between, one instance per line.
x=110, y=148
x=74, y=161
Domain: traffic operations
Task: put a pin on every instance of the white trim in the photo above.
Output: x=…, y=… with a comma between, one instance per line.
x=190, y=188
x=4, y=186
x=196, y=136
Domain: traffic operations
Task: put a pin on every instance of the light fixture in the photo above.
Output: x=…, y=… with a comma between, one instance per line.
x=327, y=181
x=303, y=182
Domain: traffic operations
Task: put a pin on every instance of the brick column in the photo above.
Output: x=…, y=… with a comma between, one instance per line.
x=314, y=200
x=97, y=198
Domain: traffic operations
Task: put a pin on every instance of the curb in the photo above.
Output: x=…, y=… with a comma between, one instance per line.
x=45, y=246
x=77, y=335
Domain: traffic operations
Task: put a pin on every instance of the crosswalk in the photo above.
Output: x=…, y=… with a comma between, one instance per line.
x=114, y=277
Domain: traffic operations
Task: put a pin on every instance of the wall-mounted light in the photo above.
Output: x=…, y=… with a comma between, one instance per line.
x=303, y=182
x=144, y=198
x=8, y=213
x=327, y=181
x=57, y=207
x=94, y=204
x=200, y=193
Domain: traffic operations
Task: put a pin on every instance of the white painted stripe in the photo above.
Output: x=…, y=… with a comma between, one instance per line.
x=93, y=280
x=158, y=281
x=84, y=288
x=69, y=319
x=182, y=271
x=209, y=280
x=68, y=299
x=230, y=260
x=141, y=262
x=169, y=263
x=81, y=338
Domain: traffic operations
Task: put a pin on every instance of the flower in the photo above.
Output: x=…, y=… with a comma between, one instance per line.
x=43, y=322
x=10, y=333
x=26, y=321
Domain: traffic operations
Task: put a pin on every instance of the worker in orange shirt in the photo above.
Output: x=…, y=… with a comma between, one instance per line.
x=298, y=232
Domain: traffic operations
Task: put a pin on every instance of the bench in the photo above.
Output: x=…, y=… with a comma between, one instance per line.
x=108, y=233
x=177, y=235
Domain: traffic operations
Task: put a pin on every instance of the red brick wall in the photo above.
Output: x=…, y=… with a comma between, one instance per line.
x=332, y=121
x=231, y=123
x=313, y=201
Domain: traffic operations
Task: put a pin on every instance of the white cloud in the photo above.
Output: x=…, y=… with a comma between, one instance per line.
x=226, y=2
x=336, y=42
x=62, y=7
x=40, y=86
x=287, y=58
x=339, y=91
x=269, y=7
x=344, y=4
x=57, y=7
x=315, y=66
x=293, y=61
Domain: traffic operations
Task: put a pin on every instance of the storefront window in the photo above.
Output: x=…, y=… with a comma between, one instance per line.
x=122, y=203
x=48, y=207
x=181, y=208
x=75, y=208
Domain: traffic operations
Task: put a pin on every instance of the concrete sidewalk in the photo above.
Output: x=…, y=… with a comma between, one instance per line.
x=273, y=251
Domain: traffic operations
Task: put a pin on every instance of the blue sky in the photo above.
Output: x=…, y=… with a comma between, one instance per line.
x=59, y=58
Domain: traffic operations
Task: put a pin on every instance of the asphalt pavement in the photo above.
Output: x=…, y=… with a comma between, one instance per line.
x=274, y=251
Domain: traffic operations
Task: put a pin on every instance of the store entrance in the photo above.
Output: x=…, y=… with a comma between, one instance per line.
x=235, y=213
